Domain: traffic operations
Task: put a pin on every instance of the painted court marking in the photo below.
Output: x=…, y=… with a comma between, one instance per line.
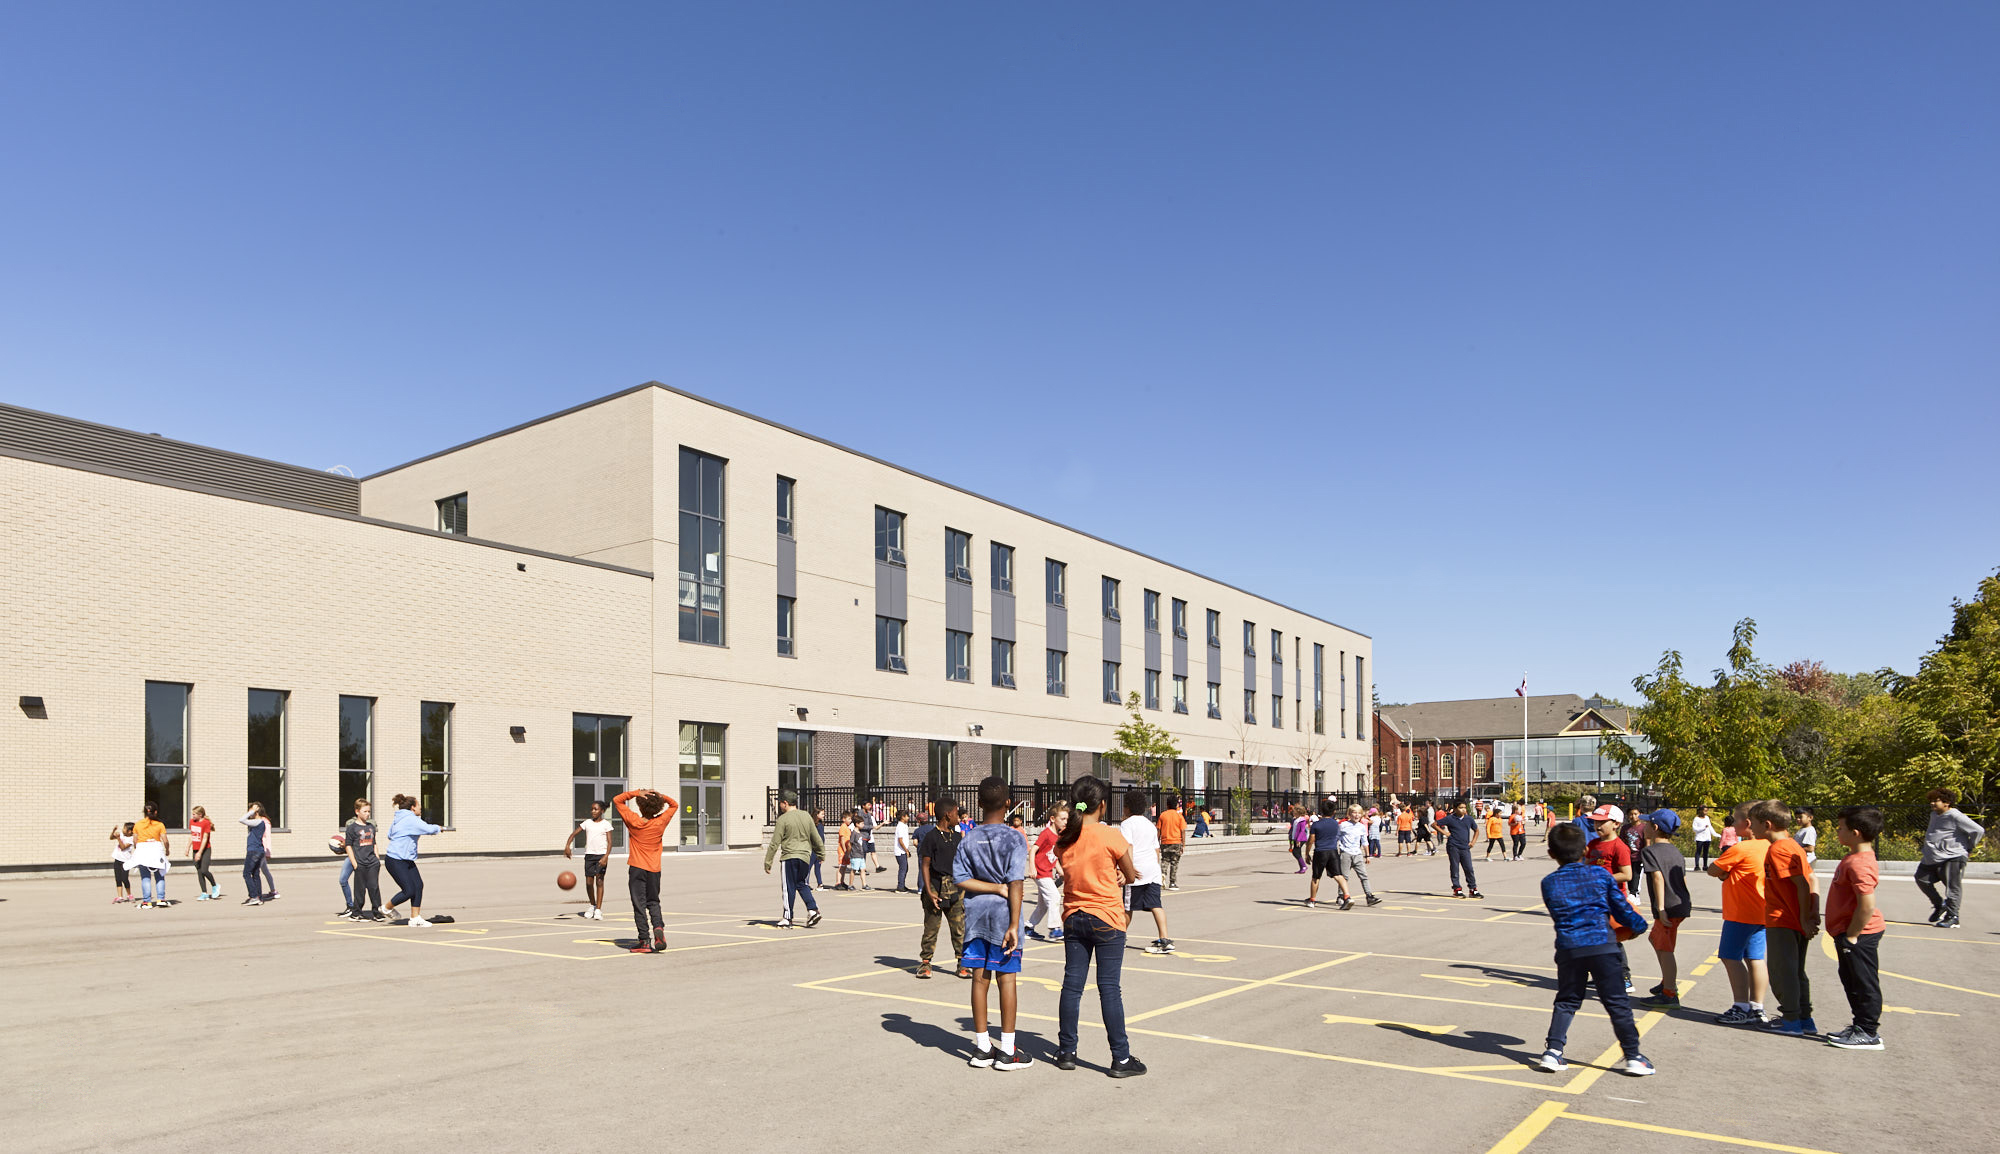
x=1531, y=1127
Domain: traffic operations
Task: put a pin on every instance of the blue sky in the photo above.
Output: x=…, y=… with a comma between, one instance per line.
x=1519, y=337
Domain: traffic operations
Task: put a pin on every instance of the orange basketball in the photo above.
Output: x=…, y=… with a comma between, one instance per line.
x=566, y=880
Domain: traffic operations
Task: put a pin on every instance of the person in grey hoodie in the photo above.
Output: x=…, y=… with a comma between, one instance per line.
x=1948, y=845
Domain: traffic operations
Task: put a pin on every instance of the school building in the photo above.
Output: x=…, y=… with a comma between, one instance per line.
x=647, y=590
x=1450, y=747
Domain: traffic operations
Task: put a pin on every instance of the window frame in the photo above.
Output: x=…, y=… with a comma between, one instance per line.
x=1180, y=692
x=1151, y=610
x=958, y=644
x=695, y=586
x=892, y=536
x=1249, y=639
x=957, y=555
x=280, y=820
x=1055, y=582
x=1215, y=628
x=183, y=771
x=340, y=767
x=1058, y=672
x=891, y=645
x=1179, y=618
x=1004, y=676
x=1249, y=707
x=1000, y=558
x=1215, y=700
x=449, y=711
x=1113, y=690
x=1151, y=690
x=788, y=626
x=788, y=507
x=1109, y=590
x=455, y=520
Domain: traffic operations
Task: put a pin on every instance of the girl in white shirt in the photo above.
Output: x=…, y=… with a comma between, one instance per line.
x=1704, y=837
x=121, y=861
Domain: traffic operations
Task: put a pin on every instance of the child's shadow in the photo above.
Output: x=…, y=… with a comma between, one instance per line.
x=1473, y=1041
x=1535, y=981
x=957, y=1044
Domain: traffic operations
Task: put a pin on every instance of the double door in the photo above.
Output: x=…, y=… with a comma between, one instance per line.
x=701, y=815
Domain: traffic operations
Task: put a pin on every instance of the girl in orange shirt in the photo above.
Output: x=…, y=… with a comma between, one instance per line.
x=1096, y=866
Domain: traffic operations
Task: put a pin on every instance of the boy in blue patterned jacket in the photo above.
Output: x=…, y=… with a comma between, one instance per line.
x=1582, y=900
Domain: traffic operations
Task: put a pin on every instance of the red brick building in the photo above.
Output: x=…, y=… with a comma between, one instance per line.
x=1447, y=746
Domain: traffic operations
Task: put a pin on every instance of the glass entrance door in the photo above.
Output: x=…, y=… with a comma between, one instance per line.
x=701, y=768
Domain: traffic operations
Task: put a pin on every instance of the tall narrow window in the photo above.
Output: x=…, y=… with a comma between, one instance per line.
x=943, y=764
x=1180, y=693
x=1152, y=689
x=1003, y=763
x=1110, y=599
x=1250, y=639
x=167, y=751
x=701, y=548
x=357, y=755
x=958, y=556
x=1111, y=683
x=889, y=645
x=957, y=655
x=267, y=753
x=1058, y=673
x=1152, y=611
x=1278, y=710
x=1003, y=567
x=1056, y=575
x=888, y=536
x=1360, y=699
x=1250, y=706
x=1319, y=688
x=451, y=516
x=871, y=761
x=787, y=496
x=1003, y=663
x=1057, y=770
x=1215, y=700
x=434, y=762
x=795, y=760
x=1215, y=629
x=788, y=608
x=1180, y=618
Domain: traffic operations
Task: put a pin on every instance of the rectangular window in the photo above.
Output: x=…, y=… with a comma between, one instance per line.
x=1180, y=618
x=787, y=495
x=1250, y=706
x=871, y=761
x=451, y=519
x=1478, y=766
x=434, y=762
x=1271, y=779
x=701, y=548
x=1152, y=611
x=1111, y=683
x=167, y=751
x=795, y=759
x=958, y=556
x=1110, y=599
x=957, y=655
x=889, y=645
x=1214, y=629
x=1343, y=692
x=1215, y=700
x=788, y=608
x=1055, y=575
x=944, y=764
x=267, y=753
x=1180, y=693
x=1004, y=757
x=1002, y=561
x=888, y=536
x=701, y=756
x=1447, y=770
x=1278, y=710
x=1152, y=689
x=1277, y=648
x=1058, y=673
x=356, y=766
x=1003, y=663
x=1057, y=772
x=1360, y=699
x=1319, y=688
x=1416, y=766
x=597, y=746
x=1250, y=639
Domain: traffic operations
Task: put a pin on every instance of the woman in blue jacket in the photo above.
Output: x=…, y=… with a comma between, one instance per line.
x=401, y=859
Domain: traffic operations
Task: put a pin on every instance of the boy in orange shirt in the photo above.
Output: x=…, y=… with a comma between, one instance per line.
x=1496, y=830
x=644, y=829
x=1741, y=868
x=1857, y=925
x=1173, y=837
x=1791, y=916
x=1406, y=824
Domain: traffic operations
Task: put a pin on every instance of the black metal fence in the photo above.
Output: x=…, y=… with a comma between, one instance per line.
x=1033, y=800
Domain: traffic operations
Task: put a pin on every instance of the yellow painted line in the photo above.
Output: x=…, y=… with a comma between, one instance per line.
x=455, y=945
x=767, y=941
x=1371, y=953
x=1907, y=1010
x=455, y=930
x=1540, y=1010
x=1940, y=985
x=1344, y=1020
x=1530, y=1129
x=1202, y=890
x=1588, y=1078
x=1249, y=985
x=1471, y=1069
x=1513, y=913
x=1727, y=1139
x=1477, y=983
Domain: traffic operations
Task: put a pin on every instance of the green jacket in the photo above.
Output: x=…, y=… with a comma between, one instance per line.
x=795, y=838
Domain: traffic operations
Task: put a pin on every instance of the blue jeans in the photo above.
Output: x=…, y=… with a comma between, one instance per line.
x=252, y=862
x=795, y=885
x=148, y=876
x=902, y=870
x=346, y=894
x=1461, y=855
x=1084, y=936
x=1573, y=978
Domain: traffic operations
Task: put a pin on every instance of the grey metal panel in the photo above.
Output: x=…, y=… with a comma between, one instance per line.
x=1180, y=657
x=892, y=591
x=788, y=567
x=1113, y=645
x=1003, y=615
x=1249, y=672
x=67, y=439
x=1058, y=627
x=1215, y=664
x=1152, y=649
x=957, y=606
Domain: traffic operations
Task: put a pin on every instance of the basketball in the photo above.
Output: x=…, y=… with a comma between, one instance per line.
x=337, y=843
x=566, y=880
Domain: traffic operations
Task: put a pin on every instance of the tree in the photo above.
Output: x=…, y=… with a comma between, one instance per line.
x=1517, y=783
x=1709, y=742
x=1140, y=748
x=1948, y=731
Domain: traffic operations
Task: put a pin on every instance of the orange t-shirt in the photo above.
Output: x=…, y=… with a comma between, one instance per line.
x=146, y=829
x=1173, y=828
x=1783, y=861
x=1517, y=823
x=1493, y=826
x=1092, y=882
x=1743, y=881
x=1857, y=874
x=642, y=843
x=1405, y=822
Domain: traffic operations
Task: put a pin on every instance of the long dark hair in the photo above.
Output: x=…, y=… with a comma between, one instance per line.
x=1087, y=795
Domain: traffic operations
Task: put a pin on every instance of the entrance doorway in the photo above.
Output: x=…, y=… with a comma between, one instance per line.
x=701, y=765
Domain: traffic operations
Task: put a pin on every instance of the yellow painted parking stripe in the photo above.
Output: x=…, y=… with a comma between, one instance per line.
x=1530, y=1129
x=1246, y=986
x=1727, y=1139
x=1588, y=1078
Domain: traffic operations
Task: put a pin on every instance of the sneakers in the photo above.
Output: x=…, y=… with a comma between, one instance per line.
x=271, y=897
x=1055, y=935
x=1659, y=1001
x=1551, y=1062
x=419, y=921
x=1456, y=892
x=1032, y=934
x=1173, y=887
x=1373, y=900
x=965, y=972
x=1739, y=1016
x=1949, y=922
x=644, y=947
x=1937, y=915
x=981, y=1060
x=1018, y=1060
x=1809, y=1026
x=812, y=919
x=253, y=901
x=1629, y=989
x=1169, y=946
x=923, y=969
x=1156, y=946
x=1636, y=1066
x=784, y=923
x=1476, y=896
x=204, y=898
x=1065, y=1061
x=1855, y=1038
x=1311, y=905
x=1129, y=1068
x=659, y=942
x=1344, y=904
x=1790, y=1027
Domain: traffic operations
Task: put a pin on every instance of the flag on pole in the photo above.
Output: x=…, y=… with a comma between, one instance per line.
x=1523, y=691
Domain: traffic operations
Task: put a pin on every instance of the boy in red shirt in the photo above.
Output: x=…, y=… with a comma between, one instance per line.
x=1791, y=916
x=1610, y=851
x=1856, y=925
x=201, y=844
x=1048, y=897
x=644, y=829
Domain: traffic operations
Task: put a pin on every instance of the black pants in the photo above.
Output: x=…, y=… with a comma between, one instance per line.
x=201, y=872
x=795, y=887
x=368, y=884
x=1929, y=874
x=1520, y=845
x=1861, y=977
x=645, y=887
x=1461, y=857
x=409, y=883
x=1701, y=854
x=1573, y=979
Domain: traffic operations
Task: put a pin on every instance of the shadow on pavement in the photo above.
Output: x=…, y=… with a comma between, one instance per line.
x=1472, y=1042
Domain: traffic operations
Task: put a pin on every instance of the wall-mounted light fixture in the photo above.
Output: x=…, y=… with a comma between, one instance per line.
x=975, y=729
x=518, y=732
x=33, y=706
x=802, y=713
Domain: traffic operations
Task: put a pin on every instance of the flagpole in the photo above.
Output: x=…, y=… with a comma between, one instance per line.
x=1524, y=736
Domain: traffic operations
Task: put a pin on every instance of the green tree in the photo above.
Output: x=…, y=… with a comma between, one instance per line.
x=1710, y=743
x=1141, y=749
x=1948, y=731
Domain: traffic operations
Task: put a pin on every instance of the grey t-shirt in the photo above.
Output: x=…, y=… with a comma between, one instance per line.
x=1951, y=835
x=361, y=839
x=991, y=853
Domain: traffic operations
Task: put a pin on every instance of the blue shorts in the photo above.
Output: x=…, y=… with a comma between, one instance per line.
x=980, y=954
x=1741, y=942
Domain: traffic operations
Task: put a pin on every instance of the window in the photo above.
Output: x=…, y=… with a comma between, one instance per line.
x=787, y=494
x=1152, y=611
x=701, y=756
x=1180, y=618
x=1055, y=575
x=451, y=519
x=1215, y=700
x=1110, y=599
x=1478, y=766
x=1152, y=689
x=267, y=753
x=167, y=751
x=1278, y=710
x=701, y=548
x=1214, y=629
x=1319, y=688
x=871, y=761
x=1111, y=682
x=957, y=655
x=1004, y=757
x=944, y=764
x=1277, y=648
x=356, y=766
x=597, y=745
x=1002, y=562
x=1416, y=765
x=1058, y=673
x=1003, y=663
x=889, y=645
x=788, y=608
x=957, y=556
x=1058, y=767
x=1271, y=779
x=1447, y=770
x=1250, y=639
x=1250, y=706
x=434, y=762
x=1180, y=694
x=888, y=536
x=795, y=759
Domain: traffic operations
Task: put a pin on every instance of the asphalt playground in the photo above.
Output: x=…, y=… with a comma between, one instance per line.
x=521, y=1027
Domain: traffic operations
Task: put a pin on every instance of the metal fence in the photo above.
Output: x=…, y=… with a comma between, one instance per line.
x=1033, y=800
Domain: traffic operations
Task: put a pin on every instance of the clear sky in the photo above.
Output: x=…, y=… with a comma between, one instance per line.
x=1521, y=337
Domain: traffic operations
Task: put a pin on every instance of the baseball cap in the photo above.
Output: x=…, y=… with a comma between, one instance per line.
x=1665, y=819
x=1607, y=813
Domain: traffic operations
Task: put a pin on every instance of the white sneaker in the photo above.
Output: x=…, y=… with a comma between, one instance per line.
x=1551, y=1062
x=419, y=922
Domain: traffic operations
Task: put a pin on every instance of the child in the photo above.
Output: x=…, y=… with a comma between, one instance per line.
x=1517, y=828
x=201, y=836
x=1704, y=836
x=1666, y=885
x=1582, y=900
x=1353, y=850
x=1048, y=898
x=149, y=853
x=1325, y=835
x=1173, y=838
x=1406, y=839
x=990, y=866
x=1741, y=868
x=1456, y=831
x=1791, y=916
x=936, y=850
x=1610, y=851
x=644, y=829
x=795, y=841
x=360, y=839
x=1807, y=836
x=596, y=833
x=1496, y=831
x=857, y=852
x=1374, y=833
x=1095, y=861
x=843, y=845
x=121, y=861
x=1139, y=833
x=1856, y=925
x=1301, y=831
x=1949, y=840
x=256, y=844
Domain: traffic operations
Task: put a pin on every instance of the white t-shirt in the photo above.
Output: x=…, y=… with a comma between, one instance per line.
x=1374, y=827
x=1145, y=841
x=1704, y=830
x=902, y=839
x=596, y=835
x=121, y=850
x=1353, y=837
x=1809, y=842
